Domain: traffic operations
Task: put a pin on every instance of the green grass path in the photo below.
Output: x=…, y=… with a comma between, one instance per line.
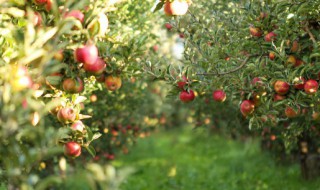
x=192, y=160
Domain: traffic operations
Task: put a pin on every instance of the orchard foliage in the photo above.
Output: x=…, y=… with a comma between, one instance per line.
x=258, y=52
x=70, y=73
x=74, y=72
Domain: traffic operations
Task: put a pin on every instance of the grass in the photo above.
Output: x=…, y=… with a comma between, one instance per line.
x=192, y=160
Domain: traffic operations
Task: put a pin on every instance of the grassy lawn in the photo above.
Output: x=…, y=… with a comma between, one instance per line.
x=192, y=160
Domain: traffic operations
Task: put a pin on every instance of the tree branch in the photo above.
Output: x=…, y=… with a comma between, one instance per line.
x=244, y=62
x=310, y=34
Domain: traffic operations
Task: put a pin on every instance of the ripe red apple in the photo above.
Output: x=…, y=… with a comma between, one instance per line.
x=255, y=31
x=256, y=81
x=299, y=83
x=295, y=46
x=113, y=83
x=270, y=37
x=96, y=68
x=311, y=86
x=219, y=96
x=72, y=149
x=247, y=107
x=168, y=26
x=110, y=157
x=78, y=126
x=87, y=54
x=176, y=7
x=263, y=15
x=71, y=85
x=181, y=35
x=48, y=6
x=316, y=116
x=40, y=2
x=298, y=63
x=273, y=137
x=155, y=48
x=272, y=55
x=181, y=83
x=66, y=115
x=291, y=113
x=186, y=96
x=281, y=87
x=77, y=14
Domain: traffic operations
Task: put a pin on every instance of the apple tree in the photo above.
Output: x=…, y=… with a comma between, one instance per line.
x=260, y=56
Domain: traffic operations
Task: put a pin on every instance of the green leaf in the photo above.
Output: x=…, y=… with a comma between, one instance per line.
x=159, y=6
x=91, y=150
x=96, y=136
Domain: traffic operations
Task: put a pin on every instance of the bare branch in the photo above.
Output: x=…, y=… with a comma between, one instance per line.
x=310, y=34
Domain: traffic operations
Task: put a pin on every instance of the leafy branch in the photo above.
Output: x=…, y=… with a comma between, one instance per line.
x=244, y=62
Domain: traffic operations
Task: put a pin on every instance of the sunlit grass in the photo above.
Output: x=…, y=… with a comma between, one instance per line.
x=192, y=160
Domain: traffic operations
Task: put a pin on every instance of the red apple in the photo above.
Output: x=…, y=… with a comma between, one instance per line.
x=291, y=113
x=77, y=14
x=97, y=68
x=113, y=83
x=270, y=37
x=299, y=62
x=110, y=156
x=48, y=6
x=273, y=137
x=71, y=85
x=311, y=86
x=278, y=97
x=255, y=31
x=168, y=26
x=256, y=81
x=219, y=96
x=281, y=87
x=155, y=48
x=182, y=83
x=181, y=35
x=40, y=2
x=87, y=54
x=299, y=83
x=72, y=149
x=176, y=7
x=66, y=115
x=78, y=126
x=316, y=116
x=247, y=107
x=186, y=96
x=295, y=46
x=272, y=55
